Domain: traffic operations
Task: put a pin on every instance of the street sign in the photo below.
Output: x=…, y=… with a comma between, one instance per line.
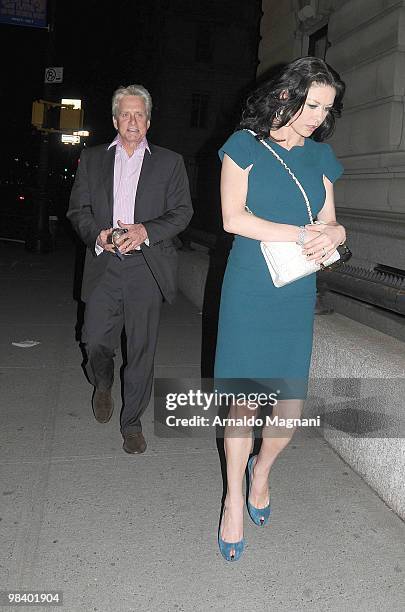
x=54, y=74
x=28, y=13
x=70, y=139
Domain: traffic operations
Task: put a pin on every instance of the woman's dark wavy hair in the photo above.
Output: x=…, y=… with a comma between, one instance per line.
x=262, y=108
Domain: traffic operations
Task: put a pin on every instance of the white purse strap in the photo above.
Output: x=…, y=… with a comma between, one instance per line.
x=282, y=162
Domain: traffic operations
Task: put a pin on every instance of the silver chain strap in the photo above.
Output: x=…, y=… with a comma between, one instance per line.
x=300, y=187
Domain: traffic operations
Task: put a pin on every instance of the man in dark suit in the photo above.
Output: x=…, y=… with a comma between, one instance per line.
x=143, y=189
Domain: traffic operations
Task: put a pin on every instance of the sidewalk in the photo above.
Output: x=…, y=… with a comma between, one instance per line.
x=116, y=532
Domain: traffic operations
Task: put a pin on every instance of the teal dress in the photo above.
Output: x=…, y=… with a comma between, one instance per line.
x=266, y=332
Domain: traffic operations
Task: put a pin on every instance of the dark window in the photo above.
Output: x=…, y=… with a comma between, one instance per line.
x=318, y=43
x=199, y=108
x=203, y=44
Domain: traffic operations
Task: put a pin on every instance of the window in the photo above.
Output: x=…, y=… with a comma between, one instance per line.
x=199, y=108
x=203, y=44
x=318, y=43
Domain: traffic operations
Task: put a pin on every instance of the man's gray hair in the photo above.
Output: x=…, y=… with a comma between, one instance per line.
x=132, y=90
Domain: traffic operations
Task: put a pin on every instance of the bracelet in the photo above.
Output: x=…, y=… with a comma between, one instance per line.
x=301, y=235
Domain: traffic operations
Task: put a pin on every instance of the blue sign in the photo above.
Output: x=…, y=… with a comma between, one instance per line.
x=23, y=12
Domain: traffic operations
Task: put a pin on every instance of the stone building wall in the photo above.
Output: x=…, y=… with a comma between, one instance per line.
x=205, y=48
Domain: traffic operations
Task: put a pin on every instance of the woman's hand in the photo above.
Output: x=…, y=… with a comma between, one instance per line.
x=322, y=240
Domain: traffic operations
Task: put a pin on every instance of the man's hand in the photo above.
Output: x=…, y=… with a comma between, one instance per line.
x=104, y=240
x=134, y=237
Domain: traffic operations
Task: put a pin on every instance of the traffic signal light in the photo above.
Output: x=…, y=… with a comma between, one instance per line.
x=38, y=113
x=55, y=117
x=70, y=119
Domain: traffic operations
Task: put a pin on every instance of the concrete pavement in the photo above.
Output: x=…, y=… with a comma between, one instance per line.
x=126, y=533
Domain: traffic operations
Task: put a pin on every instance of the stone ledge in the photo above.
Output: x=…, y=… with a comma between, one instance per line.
x=347, y=349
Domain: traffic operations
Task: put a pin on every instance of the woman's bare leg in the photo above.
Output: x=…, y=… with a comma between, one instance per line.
x=238, y=444
x=275, y=439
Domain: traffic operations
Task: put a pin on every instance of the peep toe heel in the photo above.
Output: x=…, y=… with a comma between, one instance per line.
x=227, y=548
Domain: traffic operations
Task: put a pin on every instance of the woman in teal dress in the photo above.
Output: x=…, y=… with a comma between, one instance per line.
x=264, y=332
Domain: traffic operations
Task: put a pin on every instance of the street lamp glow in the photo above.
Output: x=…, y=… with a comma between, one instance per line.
x=75, y=103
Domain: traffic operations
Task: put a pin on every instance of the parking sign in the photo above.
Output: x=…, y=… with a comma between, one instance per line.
x=54, y=74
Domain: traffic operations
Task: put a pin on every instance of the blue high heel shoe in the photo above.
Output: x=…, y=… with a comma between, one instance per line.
x=260, y=516
x=227, y=547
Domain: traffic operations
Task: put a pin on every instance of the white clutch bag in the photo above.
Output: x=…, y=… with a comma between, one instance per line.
x=286, y=263
x=285, y=260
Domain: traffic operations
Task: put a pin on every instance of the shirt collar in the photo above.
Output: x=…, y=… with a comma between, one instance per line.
x=141, y=147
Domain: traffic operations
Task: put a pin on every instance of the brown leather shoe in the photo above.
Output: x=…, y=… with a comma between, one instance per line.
x=103, y=405
x=134, y=443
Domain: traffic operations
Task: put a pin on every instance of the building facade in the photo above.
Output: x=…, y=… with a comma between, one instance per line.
x=207, y=56
x=364, y=41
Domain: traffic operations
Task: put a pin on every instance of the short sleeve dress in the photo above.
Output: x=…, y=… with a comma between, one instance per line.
x=266, y=332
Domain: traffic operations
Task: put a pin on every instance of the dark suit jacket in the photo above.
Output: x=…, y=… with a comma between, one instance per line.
x=162, y=204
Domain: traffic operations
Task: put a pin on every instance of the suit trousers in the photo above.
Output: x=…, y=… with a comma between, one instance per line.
x=127, y=296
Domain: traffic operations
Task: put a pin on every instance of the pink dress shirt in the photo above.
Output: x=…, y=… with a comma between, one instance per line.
x=127, y=170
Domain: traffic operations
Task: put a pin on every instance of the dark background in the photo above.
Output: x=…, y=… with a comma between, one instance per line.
x=198, y=59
